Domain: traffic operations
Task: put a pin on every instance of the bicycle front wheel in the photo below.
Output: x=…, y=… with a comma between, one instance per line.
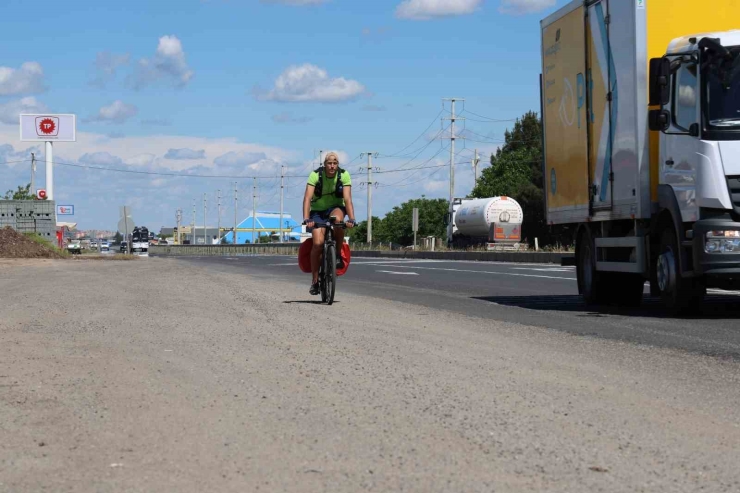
x=331, y=273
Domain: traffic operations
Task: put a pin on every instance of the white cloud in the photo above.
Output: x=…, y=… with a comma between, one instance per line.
x=100, y=159
x=9, y=111
x=141, y=160
x=240, y=159
x=116, y=112
x=185, y=154
x=168, y=63
x=518, y=7
x=106, y=64
x=298, y=3
x=25, y=80
x=427, y=9
x=309, y=83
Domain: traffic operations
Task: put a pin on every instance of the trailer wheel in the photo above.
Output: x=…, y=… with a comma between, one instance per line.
x=591, y=283
x=681, y=295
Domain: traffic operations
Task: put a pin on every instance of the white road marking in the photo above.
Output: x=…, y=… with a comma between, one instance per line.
x=402, y=273
x=545, y=269
x=722, y=291
x=485, y=272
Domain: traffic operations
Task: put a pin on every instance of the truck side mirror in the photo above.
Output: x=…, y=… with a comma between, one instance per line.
x=659, y=120
x=660, y=74
x=694, y=130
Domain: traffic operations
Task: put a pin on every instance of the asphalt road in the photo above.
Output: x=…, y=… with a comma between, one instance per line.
x=540, y=295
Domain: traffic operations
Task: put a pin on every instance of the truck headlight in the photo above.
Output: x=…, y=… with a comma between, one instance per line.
x=722, y=242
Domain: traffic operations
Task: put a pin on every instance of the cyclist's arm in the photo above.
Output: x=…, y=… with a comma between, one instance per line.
x=307, y=201
x=347, y=192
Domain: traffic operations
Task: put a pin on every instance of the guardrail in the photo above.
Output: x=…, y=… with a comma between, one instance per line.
x=226, y=250
x=292, y=249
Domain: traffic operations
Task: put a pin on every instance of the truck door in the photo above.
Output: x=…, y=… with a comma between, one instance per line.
x=601, y=86
x=679, y=151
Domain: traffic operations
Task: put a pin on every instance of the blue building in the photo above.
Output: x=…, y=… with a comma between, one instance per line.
x=264, y=224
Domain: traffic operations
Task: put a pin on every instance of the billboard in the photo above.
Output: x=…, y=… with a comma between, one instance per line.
x=57, y=128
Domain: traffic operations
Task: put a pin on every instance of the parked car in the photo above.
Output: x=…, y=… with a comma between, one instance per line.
x=123, y=246
x=74, y=246
x=104, y=246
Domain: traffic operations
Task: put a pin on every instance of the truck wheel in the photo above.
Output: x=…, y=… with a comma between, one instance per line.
x=681, y=295
x=591, y=283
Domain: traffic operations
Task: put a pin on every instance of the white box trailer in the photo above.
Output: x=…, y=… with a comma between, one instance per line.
x=640, y=150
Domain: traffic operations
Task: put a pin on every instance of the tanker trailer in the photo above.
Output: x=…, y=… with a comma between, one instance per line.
x=487, y=221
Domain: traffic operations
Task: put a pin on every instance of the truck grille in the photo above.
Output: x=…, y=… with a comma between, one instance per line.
x=734, y=183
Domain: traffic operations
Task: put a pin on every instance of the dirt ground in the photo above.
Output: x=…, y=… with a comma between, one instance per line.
x=157, y=375
x=17, y=245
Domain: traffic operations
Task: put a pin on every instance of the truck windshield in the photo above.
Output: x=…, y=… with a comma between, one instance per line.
x=723, y=92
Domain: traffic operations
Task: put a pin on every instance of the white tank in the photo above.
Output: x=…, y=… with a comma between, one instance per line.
x=474, y=217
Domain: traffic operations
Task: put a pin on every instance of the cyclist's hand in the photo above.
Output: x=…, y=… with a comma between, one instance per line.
x=350, y=223
x=308, y=223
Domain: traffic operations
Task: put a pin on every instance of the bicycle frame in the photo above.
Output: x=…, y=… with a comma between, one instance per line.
x=327, y=293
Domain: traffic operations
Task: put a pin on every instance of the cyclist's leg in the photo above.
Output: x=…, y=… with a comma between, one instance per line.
x=318, y=245
x=339, y=213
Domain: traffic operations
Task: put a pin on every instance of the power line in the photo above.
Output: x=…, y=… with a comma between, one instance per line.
x=395, y=154
x=487, y=119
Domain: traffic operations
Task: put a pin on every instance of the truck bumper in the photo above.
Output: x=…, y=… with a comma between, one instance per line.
x=717, y=264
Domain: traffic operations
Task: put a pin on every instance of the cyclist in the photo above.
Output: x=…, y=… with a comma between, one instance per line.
x=328, y=193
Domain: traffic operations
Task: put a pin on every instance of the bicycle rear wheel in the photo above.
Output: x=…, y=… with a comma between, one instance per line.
x=331, y=273
x=322, y=281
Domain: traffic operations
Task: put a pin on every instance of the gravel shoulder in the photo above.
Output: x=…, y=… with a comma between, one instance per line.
x=159, y=376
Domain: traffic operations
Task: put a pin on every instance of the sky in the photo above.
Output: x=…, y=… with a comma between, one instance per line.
x=191, y=97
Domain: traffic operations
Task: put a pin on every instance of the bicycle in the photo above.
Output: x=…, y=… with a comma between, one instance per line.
x=328, y=266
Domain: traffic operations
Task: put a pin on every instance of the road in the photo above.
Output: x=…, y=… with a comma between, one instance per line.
x=225, y=375
x=540, y=295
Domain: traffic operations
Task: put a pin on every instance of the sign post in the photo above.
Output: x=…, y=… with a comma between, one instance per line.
x=48, y=129
x=415, y=224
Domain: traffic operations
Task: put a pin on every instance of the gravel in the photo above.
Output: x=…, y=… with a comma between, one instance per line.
x=157, y=376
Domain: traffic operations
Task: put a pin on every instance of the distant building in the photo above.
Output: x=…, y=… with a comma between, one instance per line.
x=265, y=224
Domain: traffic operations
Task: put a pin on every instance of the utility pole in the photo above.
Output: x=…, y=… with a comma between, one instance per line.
x=282, y=177
x=218, y=228
x=192, y=231
x=235, y=209
x=205, y=229
x=452, y=145
x=452, y=155
x=254, y=207
x=370, y=196
x=178, y=217
x=475, y=168
x=33, y=174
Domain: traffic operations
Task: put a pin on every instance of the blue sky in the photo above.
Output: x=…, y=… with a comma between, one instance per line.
x=243, y=87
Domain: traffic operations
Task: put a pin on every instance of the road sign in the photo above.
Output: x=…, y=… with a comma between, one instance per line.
x=41, y=194
x=65, y=210
x=49, y=128
x=126, y=225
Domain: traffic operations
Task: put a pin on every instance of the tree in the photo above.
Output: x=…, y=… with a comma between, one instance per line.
x=118, y=238
x=264, y=239
x=516, y=171
x=359, y=232
x=397, y=226
x=23, y=193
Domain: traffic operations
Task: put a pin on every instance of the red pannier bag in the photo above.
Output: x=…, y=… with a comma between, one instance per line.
x=304, y=257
